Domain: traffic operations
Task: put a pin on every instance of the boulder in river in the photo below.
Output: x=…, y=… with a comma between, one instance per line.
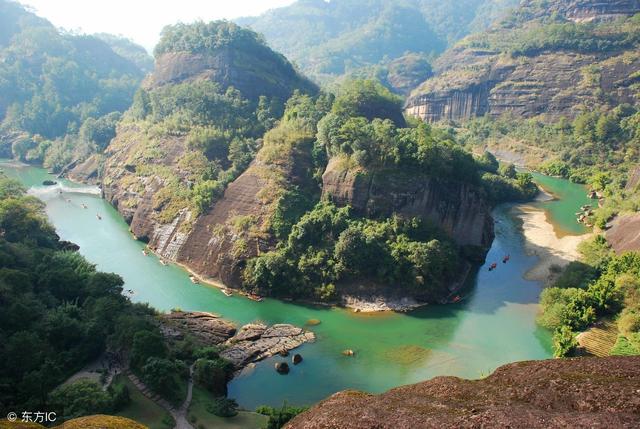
x=49, y=183
x=297, y=358
x=282, y=367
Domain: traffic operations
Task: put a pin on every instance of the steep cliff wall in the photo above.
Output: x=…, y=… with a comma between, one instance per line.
x=252, y=73
x=488, y=74
x=554, y=84
x=217, y=243
x=584, y=392
x=457, y=208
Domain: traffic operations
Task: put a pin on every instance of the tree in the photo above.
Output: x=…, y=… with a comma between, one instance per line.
x=80, y=398
x=213, y=375
x=146, y=345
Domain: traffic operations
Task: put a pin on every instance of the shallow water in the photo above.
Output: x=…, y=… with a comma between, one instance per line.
x=494, y=324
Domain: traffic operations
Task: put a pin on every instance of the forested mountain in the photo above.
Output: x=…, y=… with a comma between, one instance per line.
x=225, y=138
x=60, y=94
x=329, y=39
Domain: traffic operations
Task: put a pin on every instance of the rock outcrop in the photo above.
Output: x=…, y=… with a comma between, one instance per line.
x=624, y=234
x=255, y=73
x=457, y=208
x=256, y=342
x=584, y=392
x=251, y=343
x=474, y=80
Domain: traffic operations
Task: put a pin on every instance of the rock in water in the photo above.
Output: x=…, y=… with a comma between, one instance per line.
x=49, y=183
x=282, y=367
x=284, y=353
x=297, y=358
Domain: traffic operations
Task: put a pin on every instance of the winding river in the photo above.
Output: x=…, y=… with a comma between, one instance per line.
x=494, y=324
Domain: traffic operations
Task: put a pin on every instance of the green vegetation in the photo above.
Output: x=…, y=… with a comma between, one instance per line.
x=58, y=314
x=53, y=85
x=524, y=37
x=326, y=248
x=364, y=38
x=599, y=148
x=607, y=287
x=278, y=417
x=201, y=416
x=142, y=409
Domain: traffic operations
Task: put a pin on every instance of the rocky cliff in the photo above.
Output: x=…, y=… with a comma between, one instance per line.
x=508, y=71
x=457, y=208
x=585, y=392
x=253, y=73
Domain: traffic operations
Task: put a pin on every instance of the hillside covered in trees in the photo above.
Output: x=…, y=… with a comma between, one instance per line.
x=391, y=40
x=262, y=168
x=61, y=94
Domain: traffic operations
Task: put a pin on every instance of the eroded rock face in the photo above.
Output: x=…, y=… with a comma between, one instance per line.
x=471, y=81
x=457, y=208
x=624, y=234
x=256, y=342
x=584, y=392
x=208, y=328
x=591, y=10
x=256, y=73
x=552, y=84
x=251, y=343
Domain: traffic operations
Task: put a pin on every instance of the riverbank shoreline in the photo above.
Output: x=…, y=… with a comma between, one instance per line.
x=553, y=251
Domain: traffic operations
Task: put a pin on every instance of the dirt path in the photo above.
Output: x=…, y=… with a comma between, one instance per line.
x=178, y=414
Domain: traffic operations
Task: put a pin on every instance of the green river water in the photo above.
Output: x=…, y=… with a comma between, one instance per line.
x=494, y=324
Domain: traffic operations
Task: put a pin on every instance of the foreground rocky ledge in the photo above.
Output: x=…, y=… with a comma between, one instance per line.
x=584, y=392
x=251, y=343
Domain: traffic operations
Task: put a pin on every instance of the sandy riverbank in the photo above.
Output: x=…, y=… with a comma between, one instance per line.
x=542, y=241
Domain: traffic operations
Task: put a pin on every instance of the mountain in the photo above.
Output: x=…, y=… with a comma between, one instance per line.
x=129, y=50
x=562, y=392
x=553, y=60
x=60, y=94
x=329, y=39
x=231, y=163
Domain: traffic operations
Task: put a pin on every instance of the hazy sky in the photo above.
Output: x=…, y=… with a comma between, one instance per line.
x=142, y=20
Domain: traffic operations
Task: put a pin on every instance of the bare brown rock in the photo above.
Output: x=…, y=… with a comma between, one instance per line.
x=208, y=328
x=471, y=81
x=583, y=392
x=457, y=208
x=251, y=343
x=624, y=234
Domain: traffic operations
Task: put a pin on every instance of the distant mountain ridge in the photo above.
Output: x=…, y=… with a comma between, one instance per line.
x=329, y=39
x=551, y=59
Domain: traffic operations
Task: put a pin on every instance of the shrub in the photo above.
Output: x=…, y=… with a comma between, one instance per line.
x=223, y=407
x=564, y=342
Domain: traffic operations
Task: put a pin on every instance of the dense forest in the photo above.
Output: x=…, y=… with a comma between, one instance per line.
x=58, y=314
x=372, y=37
x=61, y=94
x=327, y=246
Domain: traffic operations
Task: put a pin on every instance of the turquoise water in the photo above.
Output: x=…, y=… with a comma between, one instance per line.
x=494, y=324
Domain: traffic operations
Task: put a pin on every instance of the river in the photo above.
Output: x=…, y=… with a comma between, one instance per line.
x=494, y=324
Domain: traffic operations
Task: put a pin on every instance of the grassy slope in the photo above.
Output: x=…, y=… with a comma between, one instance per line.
x=203, y=418
x=142, y=409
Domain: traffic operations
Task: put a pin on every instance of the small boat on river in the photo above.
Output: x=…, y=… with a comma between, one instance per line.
x=163, y=262
x=227, y=292
x=254, y=297
x=83, y=205
x=194, y=280
x=493, y=266
x=98, y=216
x=144, y=252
